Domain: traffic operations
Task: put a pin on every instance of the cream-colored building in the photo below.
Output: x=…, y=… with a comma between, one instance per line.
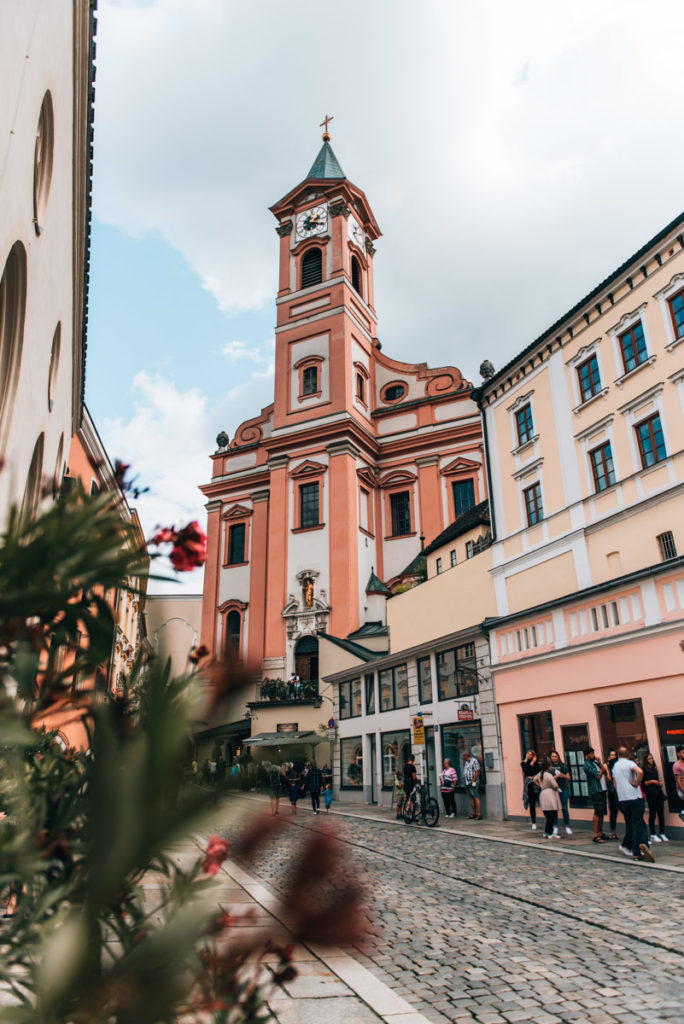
x=585, y=439
x=173, y=628
x=46, y=83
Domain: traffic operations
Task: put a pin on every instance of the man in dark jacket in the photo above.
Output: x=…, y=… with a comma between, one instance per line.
x=314, y=783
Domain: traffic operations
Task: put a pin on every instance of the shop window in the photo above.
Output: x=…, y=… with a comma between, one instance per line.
x=351, y=762
x=651, y=441
x=456, y=672
x=396, y=747
x=602, y=467
x=312, y=267
x=350, y=698
x=536, y=733
x=370, y=694
x=236, y=544
x=424, y=681
x=633, y=347
x=393, y=688
x=308, y=505
x=524, y=424
x=400, y=512
x=575, y=742
x=666, y=545
x=464, y=496
x=623, y=725
x=460, y=739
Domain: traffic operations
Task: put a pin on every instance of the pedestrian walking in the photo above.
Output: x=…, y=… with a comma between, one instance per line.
x=627, y=776
x=597, y=785
x=530, y=768
x=678, y=772
x=655, y=799
x=612, y=795
x=471, y=775
x=327, y=797
x=410, y=780
x=448, y=778
x=295, y=790
x=561, y=774
x=398, y=793
x=549, y=799
x=274, y=788
x=314, y=781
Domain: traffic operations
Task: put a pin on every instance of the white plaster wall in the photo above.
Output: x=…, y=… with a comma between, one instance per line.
x=390, y=424
x=456, y=410
x=366, y=562
x=35, y=55
x=234, y=583
x=236, y=462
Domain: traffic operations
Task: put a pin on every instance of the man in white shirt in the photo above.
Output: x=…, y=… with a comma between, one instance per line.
x=627, y=776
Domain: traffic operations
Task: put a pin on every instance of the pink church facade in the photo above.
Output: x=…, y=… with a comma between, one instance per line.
x=358, y=459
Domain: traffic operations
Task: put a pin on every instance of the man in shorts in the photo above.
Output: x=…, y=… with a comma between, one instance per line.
x=471, y=774
x=596, y=774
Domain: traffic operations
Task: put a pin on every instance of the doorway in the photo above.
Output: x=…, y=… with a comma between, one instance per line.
x=306, y=661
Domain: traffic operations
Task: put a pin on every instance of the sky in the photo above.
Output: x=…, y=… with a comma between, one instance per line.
x=513, y=154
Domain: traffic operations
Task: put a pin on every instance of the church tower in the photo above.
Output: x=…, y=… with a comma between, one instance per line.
x=356, y=459
x=326, y=323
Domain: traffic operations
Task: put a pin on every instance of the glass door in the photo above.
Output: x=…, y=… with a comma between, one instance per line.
x=575, y=742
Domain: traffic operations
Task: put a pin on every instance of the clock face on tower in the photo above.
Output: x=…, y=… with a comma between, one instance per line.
x=312, y=222
x=354, y=232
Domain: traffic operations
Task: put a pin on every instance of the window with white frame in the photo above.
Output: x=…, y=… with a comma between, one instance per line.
x=645, y=420
x=633, y=349
x=587, y=374
x=522, y=420
x=671, y=299
x=599, y=455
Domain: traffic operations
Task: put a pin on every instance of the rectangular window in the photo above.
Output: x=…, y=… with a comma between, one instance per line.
x=463, y=738
x=310, y=380
x=666, y=544
x=439, y=566
x=370, y=694
x=575, y=742
x=602, y=466
x=308, y=504
x=453, y=558
x=424, y=681
x=365, y=510
x=236, y=544
x=351, y=762
x=621, y=725
x=394, y=688
x=396, y=747
x=456, y=672
x=677, y=312
x=633, y=347
x=536, y=733
x=469, y=549
x=350, y=698
x=589, y=378
x=464, y=496
x=523, y=420
x=651, y=441
x=533, y=504
x=400, y=510
x=361, y=387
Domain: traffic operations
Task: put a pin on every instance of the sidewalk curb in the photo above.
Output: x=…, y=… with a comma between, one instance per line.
x=552, y=849
x=390, y=1007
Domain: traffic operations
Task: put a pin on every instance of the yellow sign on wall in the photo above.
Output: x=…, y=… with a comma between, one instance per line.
x=418, y=731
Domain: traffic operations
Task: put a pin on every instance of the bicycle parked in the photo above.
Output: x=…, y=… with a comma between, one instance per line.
x=419, y=804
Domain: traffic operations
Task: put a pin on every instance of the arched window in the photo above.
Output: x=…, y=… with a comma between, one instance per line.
x=356, y=275
x=31, y=500
x=310, y=380
x=12, y=312
x=312, y=267
x=232, y=643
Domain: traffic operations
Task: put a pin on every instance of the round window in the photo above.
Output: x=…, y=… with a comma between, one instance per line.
x=42, y=160
x=54, y=365
x=394, y=392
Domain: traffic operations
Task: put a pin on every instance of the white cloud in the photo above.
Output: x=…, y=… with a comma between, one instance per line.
x=514, y=154
x=167, y=442
x=236, y=350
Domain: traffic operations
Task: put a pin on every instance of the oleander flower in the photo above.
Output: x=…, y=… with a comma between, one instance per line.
x=216, y=853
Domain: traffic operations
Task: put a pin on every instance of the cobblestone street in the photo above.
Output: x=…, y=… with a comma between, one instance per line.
x=470, y=930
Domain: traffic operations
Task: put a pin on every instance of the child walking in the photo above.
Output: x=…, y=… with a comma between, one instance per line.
x=327, y=797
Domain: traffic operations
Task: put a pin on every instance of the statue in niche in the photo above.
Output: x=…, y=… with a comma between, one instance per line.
x=308, y=590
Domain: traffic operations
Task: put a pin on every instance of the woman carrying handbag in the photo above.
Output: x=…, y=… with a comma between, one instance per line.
x=549, y=799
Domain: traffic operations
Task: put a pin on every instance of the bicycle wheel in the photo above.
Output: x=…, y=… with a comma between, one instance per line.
x=431, y=812
x=408, y=811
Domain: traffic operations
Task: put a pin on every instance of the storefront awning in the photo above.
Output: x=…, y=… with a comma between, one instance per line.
x=284, y=739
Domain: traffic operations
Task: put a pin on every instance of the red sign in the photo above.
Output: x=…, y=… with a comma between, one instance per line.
x=465, y=713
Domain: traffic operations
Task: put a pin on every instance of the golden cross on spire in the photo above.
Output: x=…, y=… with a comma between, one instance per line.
x=324, y=124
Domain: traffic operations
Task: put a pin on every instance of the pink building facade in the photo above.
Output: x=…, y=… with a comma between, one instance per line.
x=358, y=456
x=585, y=442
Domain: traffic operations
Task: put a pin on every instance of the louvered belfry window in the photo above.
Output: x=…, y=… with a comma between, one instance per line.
x=312, y=267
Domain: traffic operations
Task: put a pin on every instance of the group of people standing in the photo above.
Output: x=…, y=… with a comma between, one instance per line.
x=288, y=783
x=618, y=784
